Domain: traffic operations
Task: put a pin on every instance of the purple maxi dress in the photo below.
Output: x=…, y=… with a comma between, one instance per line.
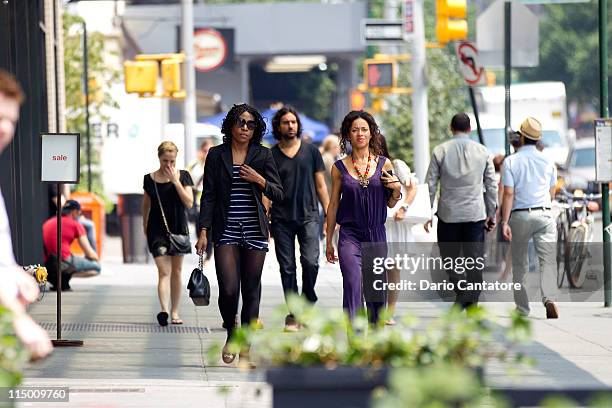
x=362, y=213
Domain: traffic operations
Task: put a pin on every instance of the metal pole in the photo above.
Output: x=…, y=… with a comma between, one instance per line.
x=476, y=116
x=189, y=109
x=59, y=342
x=507, y=68
x=58, y=286
x=605, y=113
x=419, y=95
x=86, y=86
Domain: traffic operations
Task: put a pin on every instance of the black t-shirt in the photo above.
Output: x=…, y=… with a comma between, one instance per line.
x=174, y=209
x=297, y=177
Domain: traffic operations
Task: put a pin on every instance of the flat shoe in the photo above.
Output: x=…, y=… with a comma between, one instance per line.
x=162, y=318
x=551, y=310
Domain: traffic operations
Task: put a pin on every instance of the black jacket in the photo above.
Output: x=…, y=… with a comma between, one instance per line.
x=217, y=187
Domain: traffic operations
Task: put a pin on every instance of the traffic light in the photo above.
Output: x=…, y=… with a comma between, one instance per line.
x=171, y=78
x=450, y=20
x=141, y=77
x=358, y=100
x=380, y=74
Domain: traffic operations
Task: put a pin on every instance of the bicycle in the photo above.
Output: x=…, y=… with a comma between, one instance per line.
x=574, y=232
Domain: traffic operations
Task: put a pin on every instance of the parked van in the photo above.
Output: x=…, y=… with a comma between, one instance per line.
x=545, y=101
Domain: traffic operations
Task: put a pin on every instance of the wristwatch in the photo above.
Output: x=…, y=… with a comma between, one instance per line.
x=405, y=207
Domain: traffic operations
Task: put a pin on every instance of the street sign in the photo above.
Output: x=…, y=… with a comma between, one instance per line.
x=469, y=64
x=603, y=150
x=375, y=31
x=409, y=18
x=525, y=36
x=210, y=49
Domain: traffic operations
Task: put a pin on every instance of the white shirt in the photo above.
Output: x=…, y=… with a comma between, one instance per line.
x=531, y=175
x=7, y=258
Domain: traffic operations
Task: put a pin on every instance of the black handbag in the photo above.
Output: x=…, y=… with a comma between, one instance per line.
x=199, y=287
x=179, y=241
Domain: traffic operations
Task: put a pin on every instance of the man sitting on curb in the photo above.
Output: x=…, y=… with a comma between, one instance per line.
x=71, y=229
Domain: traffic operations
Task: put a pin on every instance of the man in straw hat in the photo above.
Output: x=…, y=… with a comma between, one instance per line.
x=529, y=179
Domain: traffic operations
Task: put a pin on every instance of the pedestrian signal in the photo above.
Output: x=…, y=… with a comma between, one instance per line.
x=141, y=77
x=450, y=20
x=380, y=75
x=171, y=78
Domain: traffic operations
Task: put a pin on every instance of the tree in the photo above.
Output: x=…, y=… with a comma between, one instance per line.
x=315, y=93
x=101, y=77
x=569, y=50
x=446, y=94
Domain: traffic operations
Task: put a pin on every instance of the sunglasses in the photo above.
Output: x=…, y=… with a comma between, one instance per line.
x=250, y=124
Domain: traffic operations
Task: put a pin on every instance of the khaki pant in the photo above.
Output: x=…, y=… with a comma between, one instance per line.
x=540, y=226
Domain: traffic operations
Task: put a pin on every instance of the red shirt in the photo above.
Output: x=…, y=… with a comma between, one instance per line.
x=71, y=230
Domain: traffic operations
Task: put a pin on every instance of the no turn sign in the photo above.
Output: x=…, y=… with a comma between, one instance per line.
x=469, y=66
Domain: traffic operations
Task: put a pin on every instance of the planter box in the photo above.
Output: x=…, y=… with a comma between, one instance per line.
x=318, y=387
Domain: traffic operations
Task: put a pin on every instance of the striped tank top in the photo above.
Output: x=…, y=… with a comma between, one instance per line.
x=242, y=226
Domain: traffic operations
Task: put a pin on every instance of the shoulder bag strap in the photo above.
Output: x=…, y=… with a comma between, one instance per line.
x=161, y=208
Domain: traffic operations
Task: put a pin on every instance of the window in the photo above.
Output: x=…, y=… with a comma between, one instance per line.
x=584, y=157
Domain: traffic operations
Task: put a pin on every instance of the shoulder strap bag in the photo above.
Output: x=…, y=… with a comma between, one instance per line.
x=179, y=241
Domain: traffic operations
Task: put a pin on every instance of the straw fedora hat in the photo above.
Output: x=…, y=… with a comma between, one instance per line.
x=531, y=129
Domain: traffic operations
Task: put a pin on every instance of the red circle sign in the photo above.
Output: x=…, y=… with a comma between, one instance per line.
x=472, y=71
x=209, y=48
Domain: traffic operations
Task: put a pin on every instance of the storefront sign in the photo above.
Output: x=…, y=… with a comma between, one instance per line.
x=60, y=161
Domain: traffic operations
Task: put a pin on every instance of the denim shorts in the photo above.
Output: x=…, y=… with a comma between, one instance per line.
x=83, y=264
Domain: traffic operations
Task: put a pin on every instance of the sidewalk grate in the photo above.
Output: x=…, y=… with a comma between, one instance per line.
x=126, y=328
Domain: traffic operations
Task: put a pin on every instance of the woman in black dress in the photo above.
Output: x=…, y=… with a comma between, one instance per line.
x=173, y=188
x=237, y=174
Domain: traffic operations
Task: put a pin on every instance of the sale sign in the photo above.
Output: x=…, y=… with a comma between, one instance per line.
x=60, y=161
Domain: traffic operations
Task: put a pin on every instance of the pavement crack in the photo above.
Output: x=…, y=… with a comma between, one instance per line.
x=201, y=341
x=580, y=337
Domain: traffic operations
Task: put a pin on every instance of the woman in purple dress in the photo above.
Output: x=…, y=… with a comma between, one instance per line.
x=362, y=189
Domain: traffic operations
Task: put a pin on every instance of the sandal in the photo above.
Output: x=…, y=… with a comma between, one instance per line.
x=162, y=318
x=176, y=320
x=390, y=322
x=226, y=356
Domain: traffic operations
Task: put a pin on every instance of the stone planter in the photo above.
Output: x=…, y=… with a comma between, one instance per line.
x=318, y=387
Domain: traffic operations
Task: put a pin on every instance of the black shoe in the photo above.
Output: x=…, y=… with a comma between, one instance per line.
x=551, y=310
x=162, y=318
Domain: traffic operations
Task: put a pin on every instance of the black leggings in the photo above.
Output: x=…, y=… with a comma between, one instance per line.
x=238, y=270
